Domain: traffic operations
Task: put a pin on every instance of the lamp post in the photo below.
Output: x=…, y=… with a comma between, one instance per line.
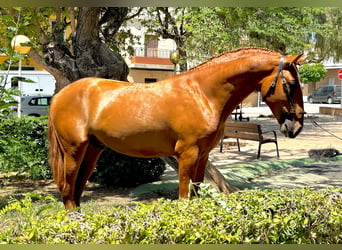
x=19, y=45
x=175, y=58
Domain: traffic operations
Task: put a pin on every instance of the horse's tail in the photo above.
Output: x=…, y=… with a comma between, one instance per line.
x=56, y=154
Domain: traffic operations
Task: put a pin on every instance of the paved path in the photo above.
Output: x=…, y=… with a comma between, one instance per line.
x=315, y=175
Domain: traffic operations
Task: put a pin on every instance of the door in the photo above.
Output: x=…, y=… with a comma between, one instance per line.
x=319, y=94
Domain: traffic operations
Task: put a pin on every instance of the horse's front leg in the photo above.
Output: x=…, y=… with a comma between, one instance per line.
x=187, y=163
x=197, y=175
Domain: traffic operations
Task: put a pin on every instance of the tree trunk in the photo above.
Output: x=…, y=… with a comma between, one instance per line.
x=89, y=57
x=93, y=57
x=212, y=175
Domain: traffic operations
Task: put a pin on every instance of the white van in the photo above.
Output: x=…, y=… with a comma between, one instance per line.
x=34, y=82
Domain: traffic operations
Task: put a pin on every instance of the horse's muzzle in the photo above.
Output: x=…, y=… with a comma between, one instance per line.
x=290, y=128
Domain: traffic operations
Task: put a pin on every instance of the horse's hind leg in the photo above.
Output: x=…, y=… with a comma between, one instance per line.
x=72, y=162
x=91, y=156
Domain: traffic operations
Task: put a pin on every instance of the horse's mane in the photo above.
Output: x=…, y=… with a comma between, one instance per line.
x=231, y=55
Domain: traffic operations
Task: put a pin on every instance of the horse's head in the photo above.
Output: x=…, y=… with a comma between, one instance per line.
x=282, y=93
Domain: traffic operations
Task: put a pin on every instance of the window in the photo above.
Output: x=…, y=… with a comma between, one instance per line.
x=325, y=90
x=15, y=81
x=320, y=90
x=150, y=80
x=41, y=101
x=331, y=81
x=151, y=46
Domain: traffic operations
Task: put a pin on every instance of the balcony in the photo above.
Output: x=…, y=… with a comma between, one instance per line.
x=151, y=58
x=152, y=52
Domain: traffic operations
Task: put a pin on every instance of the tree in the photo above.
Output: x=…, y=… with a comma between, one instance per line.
x=213, y=31
x=328, y=44
x=168, y=22
x=201, y=32
x=286, y=30
x=83, y=51
x=312, y=73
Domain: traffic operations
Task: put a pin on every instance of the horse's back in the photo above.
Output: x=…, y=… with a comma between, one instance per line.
x=79, y=90
x=85, y=84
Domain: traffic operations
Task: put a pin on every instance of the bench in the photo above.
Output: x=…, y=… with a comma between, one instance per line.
x=238, y=111
x=248, y=131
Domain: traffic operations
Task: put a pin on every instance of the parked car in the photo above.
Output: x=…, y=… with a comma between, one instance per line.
x=328, y=93
x=35, y=105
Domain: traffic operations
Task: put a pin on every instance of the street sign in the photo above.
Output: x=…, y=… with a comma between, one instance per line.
x=340, y=74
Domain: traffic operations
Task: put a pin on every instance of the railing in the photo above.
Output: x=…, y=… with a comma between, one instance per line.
x=152, y=52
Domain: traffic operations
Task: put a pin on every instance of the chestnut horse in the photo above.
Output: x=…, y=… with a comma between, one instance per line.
x=181, y=116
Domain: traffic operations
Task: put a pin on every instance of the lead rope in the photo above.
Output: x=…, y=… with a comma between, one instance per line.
x=319, y=126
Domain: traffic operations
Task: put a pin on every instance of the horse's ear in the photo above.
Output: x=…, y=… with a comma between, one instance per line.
x=296, y=59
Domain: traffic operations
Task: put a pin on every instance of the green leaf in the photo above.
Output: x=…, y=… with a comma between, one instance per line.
x=7, y=18
x=6, y=105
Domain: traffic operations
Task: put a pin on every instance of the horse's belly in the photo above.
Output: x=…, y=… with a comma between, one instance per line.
x=147, y=144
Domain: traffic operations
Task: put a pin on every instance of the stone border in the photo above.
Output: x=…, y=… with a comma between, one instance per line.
x=330, y=111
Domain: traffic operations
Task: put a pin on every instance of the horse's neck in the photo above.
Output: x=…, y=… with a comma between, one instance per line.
x=226, y=84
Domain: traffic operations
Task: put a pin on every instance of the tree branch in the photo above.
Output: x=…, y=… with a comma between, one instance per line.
x=71, y=12
x=61, y=80
x=87, y=30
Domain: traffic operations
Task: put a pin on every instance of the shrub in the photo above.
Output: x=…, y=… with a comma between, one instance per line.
x=23, y=146
x=279, y=216
x=117, y=170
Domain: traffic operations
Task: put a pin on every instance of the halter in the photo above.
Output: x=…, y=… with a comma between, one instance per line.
x=285, y=88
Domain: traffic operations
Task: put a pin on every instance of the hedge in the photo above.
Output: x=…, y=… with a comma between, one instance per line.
x=24, y=150
x=23, y=146
x=251, y=216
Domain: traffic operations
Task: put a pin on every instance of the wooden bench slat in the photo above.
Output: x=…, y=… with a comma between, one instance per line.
x=247, y=131
x=246, y=136
x=241, y=130
x=234, y=126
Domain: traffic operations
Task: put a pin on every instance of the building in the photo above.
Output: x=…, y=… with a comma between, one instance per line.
x=151, y=59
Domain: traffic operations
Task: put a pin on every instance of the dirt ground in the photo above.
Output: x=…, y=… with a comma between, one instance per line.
x=320, y=131
x=17, y=187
